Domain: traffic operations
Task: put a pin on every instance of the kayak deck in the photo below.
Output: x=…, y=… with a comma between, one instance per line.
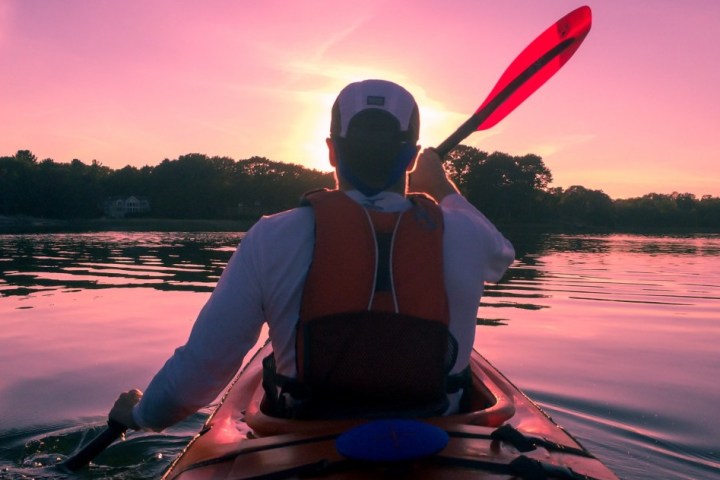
x=505, y=435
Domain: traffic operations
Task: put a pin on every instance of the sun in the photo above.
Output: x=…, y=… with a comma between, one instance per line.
x=306, y=143
x=315, y=149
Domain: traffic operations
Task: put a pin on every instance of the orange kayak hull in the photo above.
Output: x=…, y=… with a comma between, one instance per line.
x=240, y=441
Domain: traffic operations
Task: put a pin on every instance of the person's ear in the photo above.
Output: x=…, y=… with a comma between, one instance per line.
x=332, y=156
x=411, y=164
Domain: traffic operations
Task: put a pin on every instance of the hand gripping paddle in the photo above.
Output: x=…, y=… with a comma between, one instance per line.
x=534, y=66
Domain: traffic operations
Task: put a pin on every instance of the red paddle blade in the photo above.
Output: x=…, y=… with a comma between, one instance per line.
x=537, y=63
x=534, y=66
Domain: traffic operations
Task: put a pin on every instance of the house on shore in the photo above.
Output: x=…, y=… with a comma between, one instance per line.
x=122, y=206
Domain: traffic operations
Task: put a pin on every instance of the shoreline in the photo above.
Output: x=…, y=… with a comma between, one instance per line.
x=30, y=225
x=18, y=225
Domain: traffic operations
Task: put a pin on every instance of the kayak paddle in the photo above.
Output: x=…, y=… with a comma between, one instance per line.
x=113, y=431
x=533, y=67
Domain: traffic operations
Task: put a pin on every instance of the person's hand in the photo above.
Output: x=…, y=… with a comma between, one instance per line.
x=429, y=176
x=122, y=410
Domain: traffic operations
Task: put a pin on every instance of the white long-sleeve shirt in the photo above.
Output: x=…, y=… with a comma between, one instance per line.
x=263, y=282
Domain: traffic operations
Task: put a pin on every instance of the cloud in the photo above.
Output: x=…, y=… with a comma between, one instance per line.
x=551, y=147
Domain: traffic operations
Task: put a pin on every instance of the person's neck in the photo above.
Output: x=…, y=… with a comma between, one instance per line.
x=345, y=186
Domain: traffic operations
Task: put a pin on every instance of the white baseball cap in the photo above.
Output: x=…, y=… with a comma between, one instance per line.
x=375, y=95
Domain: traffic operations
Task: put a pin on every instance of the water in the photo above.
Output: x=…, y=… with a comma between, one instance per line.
x=615, y=336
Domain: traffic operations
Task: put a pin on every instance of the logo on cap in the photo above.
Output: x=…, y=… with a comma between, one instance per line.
x=376, y=100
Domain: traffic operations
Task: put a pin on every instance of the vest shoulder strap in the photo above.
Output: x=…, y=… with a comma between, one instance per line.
x=339, y=223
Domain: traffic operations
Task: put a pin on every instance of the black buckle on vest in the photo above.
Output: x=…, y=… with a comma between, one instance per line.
x=284, y=396
x=459, y=381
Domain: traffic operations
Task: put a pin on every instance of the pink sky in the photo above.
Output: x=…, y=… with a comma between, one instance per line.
x=636, y=110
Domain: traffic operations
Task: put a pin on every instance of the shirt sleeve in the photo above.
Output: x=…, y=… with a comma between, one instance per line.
x=498, y=252
x=225, y=330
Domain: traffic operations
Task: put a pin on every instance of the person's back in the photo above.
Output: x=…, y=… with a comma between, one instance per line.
x=357, y=283
x=372, y=336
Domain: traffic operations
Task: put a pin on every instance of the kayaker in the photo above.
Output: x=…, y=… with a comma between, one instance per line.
x=365, y=289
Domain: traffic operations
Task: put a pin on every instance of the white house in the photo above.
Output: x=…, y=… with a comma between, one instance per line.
x=119, y=207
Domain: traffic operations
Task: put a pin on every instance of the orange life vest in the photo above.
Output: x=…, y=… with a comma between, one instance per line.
x=373, y=336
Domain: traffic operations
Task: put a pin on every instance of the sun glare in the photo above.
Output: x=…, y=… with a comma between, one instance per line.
x=306, y=142
x=435, y=125
x=316, y=129
x=314, y=149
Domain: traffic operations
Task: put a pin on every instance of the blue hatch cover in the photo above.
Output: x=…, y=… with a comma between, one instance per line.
x=391, y=441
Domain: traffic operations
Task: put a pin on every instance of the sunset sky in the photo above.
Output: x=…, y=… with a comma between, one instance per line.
x=635, y=111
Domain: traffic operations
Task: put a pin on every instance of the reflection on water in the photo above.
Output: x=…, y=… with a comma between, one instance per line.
x=620, y=345
x=615, y=335
x=83, y=316
x=615, y=268
x=163, y=261
x=534, y=244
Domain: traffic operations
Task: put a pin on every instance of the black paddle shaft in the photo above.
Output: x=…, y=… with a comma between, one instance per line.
x=113, y=431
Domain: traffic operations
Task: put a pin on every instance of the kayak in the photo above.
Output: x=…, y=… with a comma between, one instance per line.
x=503, y=435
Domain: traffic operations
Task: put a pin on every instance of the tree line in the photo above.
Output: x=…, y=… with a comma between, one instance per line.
x=191, y=186
x=508, y=189
x=516, y=189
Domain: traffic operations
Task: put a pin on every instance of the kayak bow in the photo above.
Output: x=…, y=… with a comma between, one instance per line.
x=504, y=435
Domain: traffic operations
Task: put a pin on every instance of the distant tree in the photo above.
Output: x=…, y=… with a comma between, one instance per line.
x=26, y=156
x=505, y=187
x=51, y=183
x=274, y=186
x=196, y=186
x=708, y=212
x=549, y=201
x=17, y=192
x=70, y=190
x=182, y=188
x=460, y=164
x=127, y=181
x=669, y=211
x=687, y=206
x=580, y=205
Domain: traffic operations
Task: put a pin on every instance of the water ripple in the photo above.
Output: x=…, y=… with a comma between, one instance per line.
x=675, y=439
x=168, y=261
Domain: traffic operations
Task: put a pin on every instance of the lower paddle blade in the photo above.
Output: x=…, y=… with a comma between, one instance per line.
x=81, y=459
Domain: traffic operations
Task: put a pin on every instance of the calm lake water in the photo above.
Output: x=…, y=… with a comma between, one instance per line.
x=617, y=337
